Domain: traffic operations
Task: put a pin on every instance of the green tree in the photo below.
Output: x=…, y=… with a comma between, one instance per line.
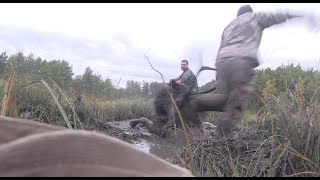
x=133, y=88
x=77, y=84
x=107, y=88
x=58, y=70
x=3, y=62
x=145, y=89
x=154, y=88
x=87, y=80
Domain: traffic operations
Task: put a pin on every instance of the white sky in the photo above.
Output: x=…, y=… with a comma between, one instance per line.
x=165, y=32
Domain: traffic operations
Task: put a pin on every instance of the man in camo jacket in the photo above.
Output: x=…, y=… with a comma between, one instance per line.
x=187, y=77
x=236, y=59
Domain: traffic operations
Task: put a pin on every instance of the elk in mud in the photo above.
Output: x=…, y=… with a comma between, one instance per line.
x=165, y=116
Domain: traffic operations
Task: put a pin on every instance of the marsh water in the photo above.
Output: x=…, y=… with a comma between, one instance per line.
x=165, y=148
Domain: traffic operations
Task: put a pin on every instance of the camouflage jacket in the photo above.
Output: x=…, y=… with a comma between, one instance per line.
x=241, y=38
x=189, y=79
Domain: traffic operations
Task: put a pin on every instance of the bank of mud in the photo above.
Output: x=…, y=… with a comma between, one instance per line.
x=139, y=136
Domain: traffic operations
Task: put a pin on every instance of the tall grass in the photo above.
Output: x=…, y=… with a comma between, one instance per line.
x=119, y=109
x=55, y=106
x=284, y=143
x=40, y=100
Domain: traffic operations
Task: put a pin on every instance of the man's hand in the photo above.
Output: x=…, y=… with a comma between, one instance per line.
x=178, y=82
x=313, y=22
x=311, y=19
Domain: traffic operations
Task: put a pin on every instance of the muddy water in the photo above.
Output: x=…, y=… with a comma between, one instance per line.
x=144, y=145
x=164, y=148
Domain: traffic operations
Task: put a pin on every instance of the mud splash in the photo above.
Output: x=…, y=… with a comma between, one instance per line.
x=164, y=148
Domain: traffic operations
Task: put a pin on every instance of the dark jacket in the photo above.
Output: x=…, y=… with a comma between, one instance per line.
x=189, y=79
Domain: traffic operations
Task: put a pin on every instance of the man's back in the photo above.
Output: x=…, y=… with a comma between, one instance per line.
x=242, y=37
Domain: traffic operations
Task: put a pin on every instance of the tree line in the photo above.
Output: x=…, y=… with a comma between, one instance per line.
x=268, y=81
x=60, y=71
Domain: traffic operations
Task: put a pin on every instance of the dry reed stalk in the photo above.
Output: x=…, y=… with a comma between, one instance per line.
x=8, y=103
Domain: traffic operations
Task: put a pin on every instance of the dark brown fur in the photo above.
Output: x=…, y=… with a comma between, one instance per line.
x=165, y=115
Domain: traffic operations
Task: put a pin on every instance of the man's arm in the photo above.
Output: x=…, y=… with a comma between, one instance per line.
x=267, y=20
x=185, y=76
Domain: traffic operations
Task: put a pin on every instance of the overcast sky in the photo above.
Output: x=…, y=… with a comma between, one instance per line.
x=113, y=38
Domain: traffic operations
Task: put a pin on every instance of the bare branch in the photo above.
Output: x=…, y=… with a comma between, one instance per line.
x=118, y=82
x=155, y=69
